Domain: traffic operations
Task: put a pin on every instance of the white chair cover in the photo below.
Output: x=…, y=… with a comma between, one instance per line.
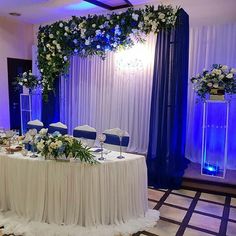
x=60, y=127
x=35, y=124
x=112, y=141
x=87, y=134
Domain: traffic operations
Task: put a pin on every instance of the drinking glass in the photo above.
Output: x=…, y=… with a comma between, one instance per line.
x=121, y=135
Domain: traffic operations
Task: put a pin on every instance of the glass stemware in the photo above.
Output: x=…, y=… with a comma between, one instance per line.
x=121, y=135
x=101, y=139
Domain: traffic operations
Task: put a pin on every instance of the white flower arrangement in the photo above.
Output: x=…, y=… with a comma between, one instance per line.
x=56, y=146
x=28, y=80
x=219, y=77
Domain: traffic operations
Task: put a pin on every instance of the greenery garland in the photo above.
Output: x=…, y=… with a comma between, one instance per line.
x=95, y=35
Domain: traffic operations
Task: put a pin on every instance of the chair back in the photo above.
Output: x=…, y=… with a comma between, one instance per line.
x=35, y=124
x=115, y=137
x=59, y=127
x=85, y=133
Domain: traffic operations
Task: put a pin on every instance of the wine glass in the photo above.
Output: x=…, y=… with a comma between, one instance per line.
x=121, y=134
x=101, y=139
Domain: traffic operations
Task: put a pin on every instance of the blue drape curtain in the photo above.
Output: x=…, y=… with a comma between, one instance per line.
x=166, y=160
x=51, y=108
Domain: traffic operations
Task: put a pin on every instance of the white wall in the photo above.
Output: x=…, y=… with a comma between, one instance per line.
x=16, y=41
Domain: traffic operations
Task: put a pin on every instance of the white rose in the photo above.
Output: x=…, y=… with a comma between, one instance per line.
x=209, y=85
x=161, y=15
x=230, y=76
x=61, y=25
x=67, y=28
x=25, y=80
x=51, y=36
x=215, y=85
x=98, y=46
x=135, y=16
x=43, y=131
x=65, y=34
x=233, y=70
x=93, y=25
x=224, y=67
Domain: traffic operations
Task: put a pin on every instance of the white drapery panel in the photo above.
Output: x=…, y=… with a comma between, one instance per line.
x=103, y=95
x=209, y=45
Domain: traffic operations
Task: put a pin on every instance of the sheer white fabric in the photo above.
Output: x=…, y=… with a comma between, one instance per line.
x=99, y=93
x=209, y=45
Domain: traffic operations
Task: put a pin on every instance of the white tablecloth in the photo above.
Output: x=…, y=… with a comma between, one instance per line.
x=111, y=192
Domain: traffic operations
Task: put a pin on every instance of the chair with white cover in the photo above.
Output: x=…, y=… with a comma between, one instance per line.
x=115, y=137
x=85, y=133
x=35, y=124
x=59, y=127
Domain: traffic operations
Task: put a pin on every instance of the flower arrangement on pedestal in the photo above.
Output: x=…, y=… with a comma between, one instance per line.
x=28, y=80
x=217, y=81
x=57, y=146
x=96, y=35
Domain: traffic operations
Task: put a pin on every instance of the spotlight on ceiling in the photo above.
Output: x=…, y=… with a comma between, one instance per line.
x=14, y=14
x=81, y=6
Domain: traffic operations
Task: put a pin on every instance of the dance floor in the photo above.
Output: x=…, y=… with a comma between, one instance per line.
x=191, y=213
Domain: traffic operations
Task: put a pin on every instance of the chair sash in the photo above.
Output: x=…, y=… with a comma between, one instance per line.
x=37, y=127
x=52, y=129
x=115, y=140
x=84, y=134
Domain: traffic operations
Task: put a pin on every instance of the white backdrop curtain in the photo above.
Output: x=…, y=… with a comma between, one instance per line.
x=103, y=95
x=215, y=44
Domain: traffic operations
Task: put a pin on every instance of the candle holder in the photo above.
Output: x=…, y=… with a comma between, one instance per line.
x=101, y=139
x=121, y=135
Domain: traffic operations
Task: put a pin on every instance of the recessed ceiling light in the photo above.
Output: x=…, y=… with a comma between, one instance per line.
x=14, y=14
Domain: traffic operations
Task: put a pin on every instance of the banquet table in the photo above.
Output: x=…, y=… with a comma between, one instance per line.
x=73, y=193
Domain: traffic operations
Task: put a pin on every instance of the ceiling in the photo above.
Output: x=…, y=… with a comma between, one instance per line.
x=42, y=11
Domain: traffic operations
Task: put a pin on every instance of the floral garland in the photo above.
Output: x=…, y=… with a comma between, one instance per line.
x=95, y=35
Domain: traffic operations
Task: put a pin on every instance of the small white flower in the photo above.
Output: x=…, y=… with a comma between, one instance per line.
x=48, y=45
x=93, y=25
x=61, y=25
x=215, y=85
x=43, y=131
x=65, y=34
x=98, y=46
x=75, y=41
x=51, y=36
x=20, y=83
x=25, y=80
x=233, y=70
x=98, y=32
x=65, y=58
x=230, y=76
x=224, y=67
x=75, y=50
x=161, y=15
x=135, y=16
x=66, y=28
x=87, y=42
x=146, y=18
x=209, y=85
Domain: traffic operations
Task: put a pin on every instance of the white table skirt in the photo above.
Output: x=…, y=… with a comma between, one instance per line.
x=112, y=192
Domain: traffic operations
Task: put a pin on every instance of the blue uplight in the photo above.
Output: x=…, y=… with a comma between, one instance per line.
x=81, y=6
x=210, y=168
